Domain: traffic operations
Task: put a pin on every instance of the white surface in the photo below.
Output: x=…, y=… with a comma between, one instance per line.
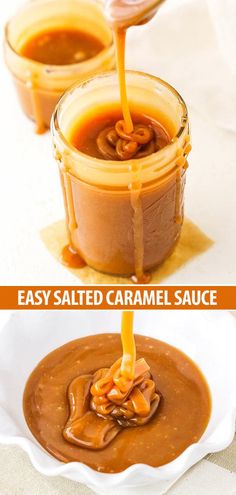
x=179, y=46
x=206, y=479
x=202, y=479
x=29, y=336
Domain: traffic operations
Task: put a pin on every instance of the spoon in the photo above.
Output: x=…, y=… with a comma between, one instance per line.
x=125, y=13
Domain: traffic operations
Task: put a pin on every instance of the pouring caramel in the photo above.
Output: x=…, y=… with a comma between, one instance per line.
x=122, y=14
x=121, y=396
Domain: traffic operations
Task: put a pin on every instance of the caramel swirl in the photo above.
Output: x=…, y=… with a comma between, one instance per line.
x=101, y=405
x=114, y=143
x=130, y=402
x=84, y=427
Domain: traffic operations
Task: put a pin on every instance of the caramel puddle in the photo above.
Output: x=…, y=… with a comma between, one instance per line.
x=71, y=258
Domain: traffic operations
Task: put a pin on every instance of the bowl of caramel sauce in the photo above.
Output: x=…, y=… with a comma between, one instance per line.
x=118, y=409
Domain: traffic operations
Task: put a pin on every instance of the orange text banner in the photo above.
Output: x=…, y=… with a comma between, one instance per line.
x=118, y=297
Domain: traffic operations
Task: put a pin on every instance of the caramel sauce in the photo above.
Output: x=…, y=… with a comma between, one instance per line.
x=182, y=165
x=71, y=258
x=120, y=38
x=56, y=47
x=90, y=137
x=32, y=85
x=98, y=134
x=61, y=47
x=127, y=368
x=120, y=396
x=83, y=402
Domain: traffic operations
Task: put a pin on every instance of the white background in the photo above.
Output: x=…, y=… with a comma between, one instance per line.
x=180, y=46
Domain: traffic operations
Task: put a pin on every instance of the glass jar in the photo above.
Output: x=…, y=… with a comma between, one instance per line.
x=123, y=217
x=38, y=85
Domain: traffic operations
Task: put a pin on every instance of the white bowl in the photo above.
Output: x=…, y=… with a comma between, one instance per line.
x=208, y=337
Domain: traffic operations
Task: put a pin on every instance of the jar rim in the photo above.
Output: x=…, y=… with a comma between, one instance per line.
x=53, y=68
x=55, y=127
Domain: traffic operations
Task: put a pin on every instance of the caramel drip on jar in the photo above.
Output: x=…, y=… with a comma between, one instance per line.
x=69, y=256
x=182, y=165
x=113, y=398
x=32, y=85
x=136, y=204
x=178, y=206
x=72, y=224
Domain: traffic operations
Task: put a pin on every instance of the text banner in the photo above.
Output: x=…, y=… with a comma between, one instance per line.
x=118, y=297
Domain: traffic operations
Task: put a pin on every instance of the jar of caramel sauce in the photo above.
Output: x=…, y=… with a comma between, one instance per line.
x=123, y=217
x=51, y=44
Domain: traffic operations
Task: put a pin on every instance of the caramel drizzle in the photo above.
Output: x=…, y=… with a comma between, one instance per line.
x=129, y=145
x=138, y=230
x=126, y=391
x=113, y=398
x=115, y=143
x=120, y=39
x=32, y=85
x=72, y=224
x=181, y=164
x=127, y=368
x=130, y=402
x=69, y=256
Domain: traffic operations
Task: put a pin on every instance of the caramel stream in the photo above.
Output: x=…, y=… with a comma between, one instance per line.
x=123, y=14
x=111, y=399
x=132, y=141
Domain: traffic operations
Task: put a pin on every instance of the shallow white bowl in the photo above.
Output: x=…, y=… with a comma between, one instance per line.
x=209, y=338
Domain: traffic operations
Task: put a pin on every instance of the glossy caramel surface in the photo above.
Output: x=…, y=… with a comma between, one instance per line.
x=86, y=135
x=61, y=47
x=180, y=420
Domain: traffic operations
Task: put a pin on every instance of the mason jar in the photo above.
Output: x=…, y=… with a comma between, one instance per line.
x=39, y=86
x=123, y=217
